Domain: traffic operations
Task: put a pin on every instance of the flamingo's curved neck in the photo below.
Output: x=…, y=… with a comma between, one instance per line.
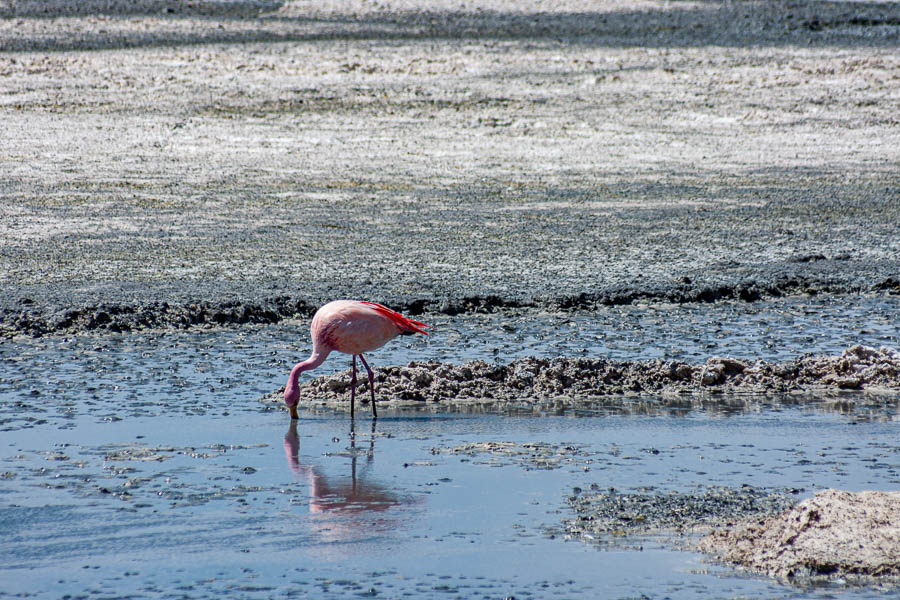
x=316, y=359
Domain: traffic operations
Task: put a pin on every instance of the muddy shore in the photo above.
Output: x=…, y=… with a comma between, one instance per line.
x=566, y=382
x=166, y=164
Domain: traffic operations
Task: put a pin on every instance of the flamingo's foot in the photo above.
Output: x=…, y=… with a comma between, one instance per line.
x=293, y=409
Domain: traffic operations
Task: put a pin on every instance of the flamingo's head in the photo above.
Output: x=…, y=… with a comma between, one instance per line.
x=292, y=397
x=292, y=389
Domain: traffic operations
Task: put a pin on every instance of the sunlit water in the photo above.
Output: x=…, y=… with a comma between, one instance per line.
x=144, y=465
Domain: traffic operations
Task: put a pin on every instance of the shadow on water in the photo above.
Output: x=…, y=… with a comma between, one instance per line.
x=697, y=24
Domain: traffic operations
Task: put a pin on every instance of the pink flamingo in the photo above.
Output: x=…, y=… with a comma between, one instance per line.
x=351, y=327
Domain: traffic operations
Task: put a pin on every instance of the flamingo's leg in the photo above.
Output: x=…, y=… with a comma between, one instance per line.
x=371, y=384
x=352, y=385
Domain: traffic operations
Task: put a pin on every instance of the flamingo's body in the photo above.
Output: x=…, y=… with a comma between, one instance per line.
x=351, y=327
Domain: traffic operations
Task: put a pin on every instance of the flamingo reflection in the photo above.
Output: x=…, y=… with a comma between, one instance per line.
x=343, y=495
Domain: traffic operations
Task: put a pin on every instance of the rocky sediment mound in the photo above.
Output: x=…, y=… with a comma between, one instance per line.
x=834, y=533
x=529, y=379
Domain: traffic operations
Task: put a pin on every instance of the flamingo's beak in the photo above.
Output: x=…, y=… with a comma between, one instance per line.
x=293, y=409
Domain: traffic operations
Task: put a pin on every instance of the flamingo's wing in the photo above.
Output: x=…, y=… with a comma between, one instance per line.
x=401, y=321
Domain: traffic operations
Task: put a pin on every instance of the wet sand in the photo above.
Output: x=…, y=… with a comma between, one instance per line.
x=168, y=165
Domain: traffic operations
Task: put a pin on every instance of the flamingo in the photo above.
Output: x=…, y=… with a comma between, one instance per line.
x=351, y=327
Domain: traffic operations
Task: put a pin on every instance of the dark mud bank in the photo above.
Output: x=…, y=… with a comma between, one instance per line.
x=603, y=516
x=38, y=312
x=569, y=380
x=35, y=318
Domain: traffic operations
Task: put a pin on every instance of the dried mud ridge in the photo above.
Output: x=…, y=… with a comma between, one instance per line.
x=535, y=380
x=834, y=533
x=22, y=314
x=33, y=318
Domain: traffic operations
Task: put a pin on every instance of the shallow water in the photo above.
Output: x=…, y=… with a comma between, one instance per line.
x=200, y=507
x=144, y=465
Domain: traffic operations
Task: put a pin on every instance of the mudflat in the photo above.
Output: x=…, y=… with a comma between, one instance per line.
x=169, y=163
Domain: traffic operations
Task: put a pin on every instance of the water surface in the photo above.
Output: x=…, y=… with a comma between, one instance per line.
x=144, y=465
